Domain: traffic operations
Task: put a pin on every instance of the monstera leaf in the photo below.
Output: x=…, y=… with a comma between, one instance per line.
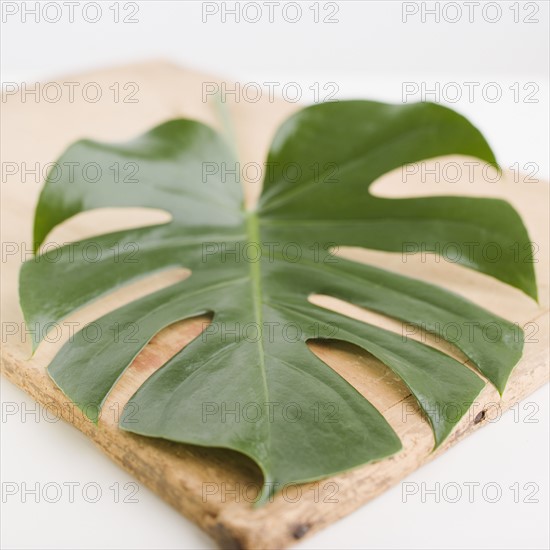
x=250, y=382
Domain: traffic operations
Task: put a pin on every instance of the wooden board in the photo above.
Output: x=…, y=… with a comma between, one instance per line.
x=38, y=131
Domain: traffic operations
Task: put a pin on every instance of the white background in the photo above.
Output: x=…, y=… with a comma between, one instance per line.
x=370, y=52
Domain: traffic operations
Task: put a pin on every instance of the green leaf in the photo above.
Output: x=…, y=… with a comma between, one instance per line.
x=249, y=382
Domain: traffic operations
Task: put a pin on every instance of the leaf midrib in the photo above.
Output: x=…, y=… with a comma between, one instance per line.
x=252, y=232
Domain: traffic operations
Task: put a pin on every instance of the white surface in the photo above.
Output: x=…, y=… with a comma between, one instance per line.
x=370, y=53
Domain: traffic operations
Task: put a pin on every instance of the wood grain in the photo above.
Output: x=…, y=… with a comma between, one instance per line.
x=198, y=481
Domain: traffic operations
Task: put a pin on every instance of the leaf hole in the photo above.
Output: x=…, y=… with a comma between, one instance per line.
x=161, y=348
x=60, y=332
x=449, y=175
x=405, y=330
x=100, y=221
x=484, y=290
